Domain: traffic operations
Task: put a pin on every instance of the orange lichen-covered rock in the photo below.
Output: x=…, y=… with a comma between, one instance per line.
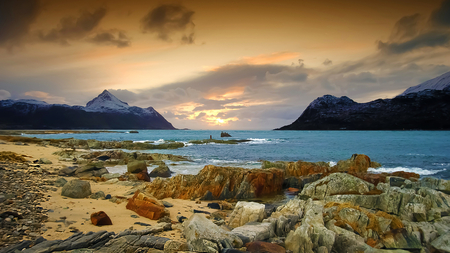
x=100, y=219
x=356, y=164
x=147, y=206
x=302, y=168
x=214, y=182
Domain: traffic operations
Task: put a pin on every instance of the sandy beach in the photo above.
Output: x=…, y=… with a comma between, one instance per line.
x=68, y=215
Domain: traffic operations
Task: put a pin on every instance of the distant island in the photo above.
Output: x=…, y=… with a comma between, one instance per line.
x=422, y=107
x=103, y=112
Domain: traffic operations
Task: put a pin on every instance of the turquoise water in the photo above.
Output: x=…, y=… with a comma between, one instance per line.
x=423, y=152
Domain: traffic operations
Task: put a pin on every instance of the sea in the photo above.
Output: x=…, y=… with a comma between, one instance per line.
x=424, y=152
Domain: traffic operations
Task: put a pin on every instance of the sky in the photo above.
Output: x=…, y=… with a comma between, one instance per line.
x=222, y=64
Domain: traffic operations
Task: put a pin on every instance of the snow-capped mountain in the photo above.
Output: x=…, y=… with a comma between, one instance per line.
x=106, y=102
x=103, y=112
x=439, y=83
x=425, y=106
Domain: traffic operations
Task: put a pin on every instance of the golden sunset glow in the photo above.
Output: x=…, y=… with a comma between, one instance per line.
x=225, y=65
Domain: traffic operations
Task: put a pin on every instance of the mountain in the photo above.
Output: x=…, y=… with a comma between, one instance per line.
x=439, y=83
x=103, y=112
x=425, y=106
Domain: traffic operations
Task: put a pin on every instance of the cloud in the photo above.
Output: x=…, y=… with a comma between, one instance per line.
x=16, y=18
x=44, y=96
x=167, y=19
x=441, y=16
x=4, y=94
x=74, y=28
x=406, y=27
x=363, y=77
x=327, y=62
x=115, y=38
x=409, y=34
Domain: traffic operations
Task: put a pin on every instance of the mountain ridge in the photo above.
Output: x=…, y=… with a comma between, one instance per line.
x=103, y=112
x=419, y=107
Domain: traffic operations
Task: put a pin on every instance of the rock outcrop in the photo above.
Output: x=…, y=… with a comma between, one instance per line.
x=214, y=182
x=246, y=212
x=203, y=235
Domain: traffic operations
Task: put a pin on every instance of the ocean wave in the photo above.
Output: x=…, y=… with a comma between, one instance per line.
x=419, y=171
x=332, y=163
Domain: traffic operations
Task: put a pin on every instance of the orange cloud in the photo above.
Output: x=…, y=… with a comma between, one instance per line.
x=270, y=58
x=44, y=96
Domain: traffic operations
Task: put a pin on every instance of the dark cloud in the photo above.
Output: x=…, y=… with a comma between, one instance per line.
x=327, y=62
x=441, y=16
x=409, y=34
x=72, y=28
x=16, y=16
x=167, y=19
x=429, y=39
x=115, y=38
x=406, y=27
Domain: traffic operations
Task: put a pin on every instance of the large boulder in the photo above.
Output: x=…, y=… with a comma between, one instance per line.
x=136, y=166
x=256, y=247
x=356, y=164
x=214, y=182
x=76, y=189
x=161, y=171
x=202, y=235
x=245, y=212
x=336, y=184
x=147, y=206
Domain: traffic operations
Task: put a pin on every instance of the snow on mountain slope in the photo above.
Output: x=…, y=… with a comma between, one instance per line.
x=439, y=83
x=107, y=102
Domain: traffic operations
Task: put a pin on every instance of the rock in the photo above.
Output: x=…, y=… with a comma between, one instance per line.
x=45, y=161
x=202, y=235
x=167, y=204
x=133, y=132
x=98, y=195
x=175, y=246
x=214, y=205
x=66, y=171
x=219, y=183
x=401, y=240
x=100, y=219
x=356, y=164
x=147, y=206
x=161, y=171
x=136, y=166
x=76, y=189
x=92, y=169
x=442, y=243
x=336, y=184
x=110, y=176
x=245, y=212
x=224, y=134
x=264, y=247
x=255, y=231
x=312, y=233
x=436, y=184
x=60, y=182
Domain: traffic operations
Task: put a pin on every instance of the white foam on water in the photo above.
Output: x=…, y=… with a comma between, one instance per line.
x=332, y=163
x=160, y=141
x=419, y=171
x=258, y=141
x=141, y=141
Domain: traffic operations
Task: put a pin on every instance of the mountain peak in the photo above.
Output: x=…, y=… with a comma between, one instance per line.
x=438, y=83
x=106, y=102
